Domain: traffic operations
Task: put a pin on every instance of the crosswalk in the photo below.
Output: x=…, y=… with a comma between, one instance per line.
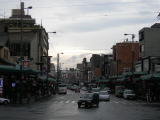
x=101, y=102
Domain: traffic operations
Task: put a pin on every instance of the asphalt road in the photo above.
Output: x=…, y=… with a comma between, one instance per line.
x=64, y=107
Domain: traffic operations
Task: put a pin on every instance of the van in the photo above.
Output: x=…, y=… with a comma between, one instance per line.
x=119, y=90
x=62, y=88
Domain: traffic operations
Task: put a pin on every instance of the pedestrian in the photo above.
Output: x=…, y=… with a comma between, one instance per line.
x=29, y=97
x=147, y=97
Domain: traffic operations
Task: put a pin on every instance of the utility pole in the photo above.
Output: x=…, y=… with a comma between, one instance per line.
x=21, y=49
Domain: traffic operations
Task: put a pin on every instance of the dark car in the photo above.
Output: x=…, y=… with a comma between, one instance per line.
x=88, y=99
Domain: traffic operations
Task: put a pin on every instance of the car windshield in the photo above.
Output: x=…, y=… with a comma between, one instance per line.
x=103, y=93
x=87, y=96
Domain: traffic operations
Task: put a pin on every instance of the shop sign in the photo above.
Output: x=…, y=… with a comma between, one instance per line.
x=1, y=82
x=25, y=64
x=13, y=84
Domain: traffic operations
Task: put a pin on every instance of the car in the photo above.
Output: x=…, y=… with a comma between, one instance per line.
x=4, y=101
x=104, y=96
x=119, y=90
x=96, y=90
x=108, y=89
x=77, y=89
x=74, y=87
x=129, y=94
x=84, y=88
x=88, y=99
x=62, y=88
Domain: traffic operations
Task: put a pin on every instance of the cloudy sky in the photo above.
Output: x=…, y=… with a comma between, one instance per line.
x=86, y=27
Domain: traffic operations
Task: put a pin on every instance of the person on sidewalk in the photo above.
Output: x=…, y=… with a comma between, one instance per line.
x=29, y=97
x=147, y=97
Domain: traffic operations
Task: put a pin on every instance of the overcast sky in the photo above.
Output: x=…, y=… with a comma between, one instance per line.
x=86, y=27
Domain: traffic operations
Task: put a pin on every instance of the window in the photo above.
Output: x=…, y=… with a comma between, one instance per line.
x=16, y=50
x=141, y=36
x=142, y=48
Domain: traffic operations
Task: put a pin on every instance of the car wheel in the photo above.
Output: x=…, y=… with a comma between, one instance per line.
x=5, y=102
x=86, y=105
x=91, y=105
x=97, y=104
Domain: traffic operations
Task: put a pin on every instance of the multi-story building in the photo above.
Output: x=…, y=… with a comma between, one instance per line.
x=95, y=61
x=106, y=65
x=124, y=57
x=149, y=41
x=27, y=40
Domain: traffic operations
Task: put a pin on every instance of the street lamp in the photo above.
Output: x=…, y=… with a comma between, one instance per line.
x=21, y=46
x=22, y=15
x=158, y=17
x=58, y=69
x=133, y=36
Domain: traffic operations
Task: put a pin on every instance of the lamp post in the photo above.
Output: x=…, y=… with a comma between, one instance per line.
x=21, y=47
x=22, y=15
x=58, y=69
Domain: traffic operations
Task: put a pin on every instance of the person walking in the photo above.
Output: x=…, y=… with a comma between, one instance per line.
x=29, y=97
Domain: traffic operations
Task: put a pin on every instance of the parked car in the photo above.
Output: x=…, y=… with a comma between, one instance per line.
x=129, y=94
x=104, y=96
x=4, y=101
x=88, y=99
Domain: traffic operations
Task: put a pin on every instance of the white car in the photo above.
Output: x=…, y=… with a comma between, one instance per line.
x=96, y=90
x=129, y=94
x=104, y=96
x=4, y=101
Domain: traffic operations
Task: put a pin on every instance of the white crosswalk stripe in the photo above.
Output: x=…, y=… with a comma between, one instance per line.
x=102, y=102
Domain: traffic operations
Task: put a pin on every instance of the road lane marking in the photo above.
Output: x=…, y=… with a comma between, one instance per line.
x=67, y=101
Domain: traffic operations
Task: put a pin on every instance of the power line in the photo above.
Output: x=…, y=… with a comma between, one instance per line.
x=85, y=5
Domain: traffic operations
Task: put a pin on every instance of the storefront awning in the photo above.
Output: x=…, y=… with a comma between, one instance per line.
x=151, y=77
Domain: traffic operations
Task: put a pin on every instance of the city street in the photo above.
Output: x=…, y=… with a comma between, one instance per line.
x=64, y=107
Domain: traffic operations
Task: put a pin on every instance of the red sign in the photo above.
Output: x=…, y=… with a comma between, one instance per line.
x=25, y=63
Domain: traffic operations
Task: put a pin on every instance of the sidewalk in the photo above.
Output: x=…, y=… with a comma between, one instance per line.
x=32, y=100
